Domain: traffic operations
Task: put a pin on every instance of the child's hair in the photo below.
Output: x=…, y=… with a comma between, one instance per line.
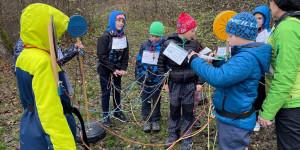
x=243, y=25
x=288, y=5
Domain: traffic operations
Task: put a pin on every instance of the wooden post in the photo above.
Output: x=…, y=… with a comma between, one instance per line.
x=52, y=54
x=227, y=50
x=83, y=84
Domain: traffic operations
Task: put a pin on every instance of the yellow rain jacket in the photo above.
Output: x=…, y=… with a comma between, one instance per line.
x=43, y=124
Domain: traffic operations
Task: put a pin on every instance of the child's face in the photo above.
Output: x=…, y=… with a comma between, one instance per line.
x=190, y=34
x=120, y=24
x=234, y=40
x=259, y=17
x=155, y=38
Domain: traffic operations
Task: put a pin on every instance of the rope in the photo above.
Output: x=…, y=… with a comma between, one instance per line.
x=113, y=133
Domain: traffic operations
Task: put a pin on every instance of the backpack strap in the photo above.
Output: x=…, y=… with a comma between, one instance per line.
x=77, y=113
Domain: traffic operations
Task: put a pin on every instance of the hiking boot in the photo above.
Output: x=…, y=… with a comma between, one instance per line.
x=120, y=116
x=107, y=122
x=147, y=127
x=168, y=145
x=197, y=124
x=155, y=126
x=187, y=146
x=257, y=127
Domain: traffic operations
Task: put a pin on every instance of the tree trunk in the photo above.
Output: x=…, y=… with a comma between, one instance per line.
x=6, y=46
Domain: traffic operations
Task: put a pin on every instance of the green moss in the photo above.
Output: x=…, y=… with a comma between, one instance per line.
x=6, y=40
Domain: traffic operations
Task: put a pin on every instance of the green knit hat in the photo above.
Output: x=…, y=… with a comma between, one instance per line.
x=157, y=28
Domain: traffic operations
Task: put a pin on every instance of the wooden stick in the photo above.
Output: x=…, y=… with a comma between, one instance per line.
x=83, y=84
x=227, y=50
x=52, y=54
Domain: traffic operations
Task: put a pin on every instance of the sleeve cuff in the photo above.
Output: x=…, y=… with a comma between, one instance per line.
x=193, y=57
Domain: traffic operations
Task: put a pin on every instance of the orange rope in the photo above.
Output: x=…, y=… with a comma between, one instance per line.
x=83, y=140
x=113, y=133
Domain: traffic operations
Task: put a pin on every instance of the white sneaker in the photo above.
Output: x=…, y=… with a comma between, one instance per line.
x=257, y=127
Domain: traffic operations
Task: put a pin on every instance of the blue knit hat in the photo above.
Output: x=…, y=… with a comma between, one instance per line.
x=243, y=25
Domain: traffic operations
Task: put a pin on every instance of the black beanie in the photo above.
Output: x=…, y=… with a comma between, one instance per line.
x=288, y=5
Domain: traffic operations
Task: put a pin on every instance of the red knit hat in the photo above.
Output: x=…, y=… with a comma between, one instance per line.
x=120, y=16
x=185, y=23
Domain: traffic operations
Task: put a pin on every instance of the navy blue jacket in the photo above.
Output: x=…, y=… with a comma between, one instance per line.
x=180, y=73
x=236, y=81
x=64, y=55
x=141, y=68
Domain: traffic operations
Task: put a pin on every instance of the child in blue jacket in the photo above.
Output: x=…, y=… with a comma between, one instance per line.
x=236, y=81
x=263, y=17
x=148, y=69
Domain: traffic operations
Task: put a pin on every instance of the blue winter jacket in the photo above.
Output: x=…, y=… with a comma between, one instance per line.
x=63, y=55
x=141, y=68
x=236, y=81
x=265, y=11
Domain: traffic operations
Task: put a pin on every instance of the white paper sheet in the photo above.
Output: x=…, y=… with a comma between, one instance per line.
x=205, y=51
x=263, y=36
x=119, y=43
x=150, y=57
x=175, y=53
x=222, y=51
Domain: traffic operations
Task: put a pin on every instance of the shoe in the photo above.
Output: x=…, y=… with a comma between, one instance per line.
x=168, y=145
x=107, y=122
x=187, y=146
x=120, y=116
x=147, y=127
x=197, y=124
x=155, y=126
x=257, y=127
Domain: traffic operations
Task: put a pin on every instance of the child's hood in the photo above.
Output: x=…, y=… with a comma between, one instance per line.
x=265, y=11
x=112, y=21
x=34, y=20
x=261, y=51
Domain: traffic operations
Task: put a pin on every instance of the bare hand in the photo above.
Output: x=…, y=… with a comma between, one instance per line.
x=263, y=121
x=198, y=88
x=190, y=55
x=79, y=45
x=165, y=88
x=122, y=72
x=117, y=73
x=212, y=54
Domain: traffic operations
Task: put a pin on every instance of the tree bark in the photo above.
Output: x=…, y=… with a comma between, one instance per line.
x=6, y=46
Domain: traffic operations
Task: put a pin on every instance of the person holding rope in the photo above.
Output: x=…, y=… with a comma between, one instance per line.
x=263, y=17
x=283, y=86
x=44, y=124
x=146, y=70
x=236, y=81
x=112, y=52
x=182, y=80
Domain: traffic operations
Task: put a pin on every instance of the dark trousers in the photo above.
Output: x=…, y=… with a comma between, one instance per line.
x=261, y=94
x=106, y=89
x=181, y=99
x=287, y=123
x=231, y=137
x=149, y=95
